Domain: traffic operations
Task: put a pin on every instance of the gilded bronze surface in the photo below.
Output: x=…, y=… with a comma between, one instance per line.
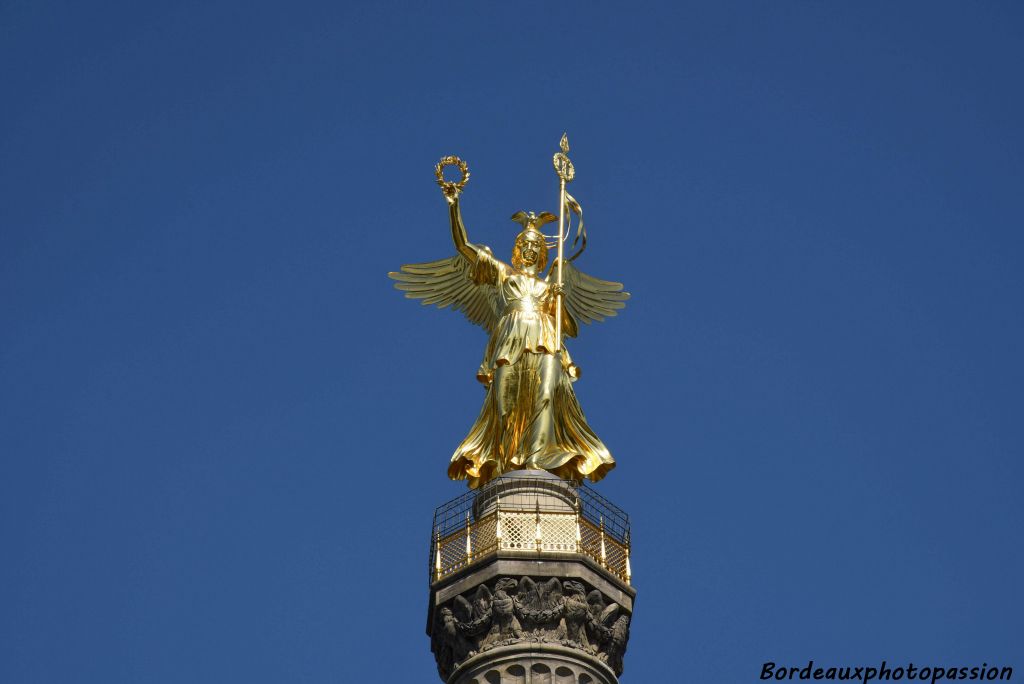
x=530, y=416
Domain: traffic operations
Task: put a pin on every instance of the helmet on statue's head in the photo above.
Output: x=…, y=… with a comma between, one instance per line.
x=531, y=248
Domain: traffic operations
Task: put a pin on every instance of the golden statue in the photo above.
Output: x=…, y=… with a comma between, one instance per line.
x=530, y=417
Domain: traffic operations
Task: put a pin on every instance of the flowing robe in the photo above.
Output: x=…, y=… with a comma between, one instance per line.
x=530, y=416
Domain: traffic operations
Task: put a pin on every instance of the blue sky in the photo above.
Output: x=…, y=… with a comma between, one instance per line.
x=223, y=434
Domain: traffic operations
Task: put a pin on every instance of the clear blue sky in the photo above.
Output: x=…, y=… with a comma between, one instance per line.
x=223, y=434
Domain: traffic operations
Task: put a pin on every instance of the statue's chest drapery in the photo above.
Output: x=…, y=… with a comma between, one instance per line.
x=521, y=293
x=524, y=323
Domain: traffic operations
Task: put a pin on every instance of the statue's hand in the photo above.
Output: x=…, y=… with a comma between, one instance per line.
x=556, y=289
x=450, y=192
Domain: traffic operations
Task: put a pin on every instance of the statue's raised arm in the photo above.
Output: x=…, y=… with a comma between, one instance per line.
x=462, y=244
x=453, y=282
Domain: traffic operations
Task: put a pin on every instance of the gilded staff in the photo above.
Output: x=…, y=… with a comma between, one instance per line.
x=566, y=172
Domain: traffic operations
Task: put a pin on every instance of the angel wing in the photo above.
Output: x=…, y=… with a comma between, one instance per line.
x=587, y=298
x=481, y=601
x=449, y=282
x=550, y=592
x=528, y=594
x=608, y=614
x=462, y=609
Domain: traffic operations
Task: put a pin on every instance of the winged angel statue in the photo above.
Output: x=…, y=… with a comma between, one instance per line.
x=530, y=417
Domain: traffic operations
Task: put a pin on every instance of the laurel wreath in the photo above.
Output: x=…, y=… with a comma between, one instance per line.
x=563, y=167
x=451, y=186
x=474, y=627
x=539, y=616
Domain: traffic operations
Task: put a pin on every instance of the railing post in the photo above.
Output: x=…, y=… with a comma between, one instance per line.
x=437, y=555
x=604, y=556
x=469, y=544
x=579, y=534
x=629, y=570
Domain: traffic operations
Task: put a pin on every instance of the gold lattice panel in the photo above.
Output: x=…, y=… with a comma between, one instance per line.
x=558, y=533
x=453, y=552
x=603, y=548
x=615, y=557
x=518, y=531
x=591, y=540
x=483, y=536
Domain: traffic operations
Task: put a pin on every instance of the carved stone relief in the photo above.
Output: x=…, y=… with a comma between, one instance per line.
x=509, y=611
